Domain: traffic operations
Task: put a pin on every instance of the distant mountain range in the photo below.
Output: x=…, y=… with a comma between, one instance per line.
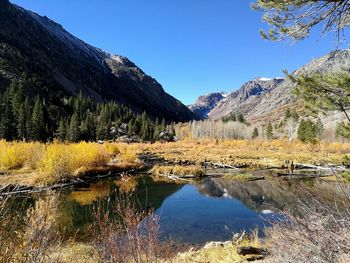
x=206, y=104
x=54, y=64
x=263, y=99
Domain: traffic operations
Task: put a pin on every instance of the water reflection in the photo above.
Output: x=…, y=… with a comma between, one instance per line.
x=210, y=209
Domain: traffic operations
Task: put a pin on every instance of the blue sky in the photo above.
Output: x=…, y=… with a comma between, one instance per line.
x=191, y=47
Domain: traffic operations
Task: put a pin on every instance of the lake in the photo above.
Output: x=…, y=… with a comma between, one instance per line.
x=210, y=209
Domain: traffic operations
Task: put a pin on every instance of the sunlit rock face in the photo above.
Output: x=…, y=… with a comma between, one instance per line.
x=265, y=99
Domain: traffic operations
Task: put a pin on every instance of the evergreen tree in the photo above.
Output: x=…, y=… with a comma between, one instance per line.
x=295, y=19
x=240, y=118
x=322, y=92
x=319, y=128
x=269, y=131
x=37, y=124
x=255, y=133
x=28, y=118
x=74, y=133
x=287, y=114
x=21, y=123
x=307, y=131
x=61, y=131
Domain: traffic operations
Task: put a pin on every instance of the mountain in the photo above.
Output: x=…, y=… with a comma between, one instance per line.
x=53, y=63
x=206, y=103
x=246, y=97
x=264, y=99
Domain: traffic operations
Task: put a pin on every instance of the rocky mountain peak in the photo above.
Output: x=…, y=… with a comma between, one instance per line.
x=265, y=98
x=206, y=103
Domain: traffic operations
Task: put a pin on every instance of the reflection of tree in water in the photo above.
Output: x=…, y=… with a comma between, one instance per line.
x=76, y=208
x=87, y=196
x=270, y=194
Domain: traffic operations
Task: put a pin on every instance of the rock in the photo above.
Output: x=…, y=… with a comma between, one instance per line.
x=129, y=139
x=167, y=136
x=243, y=251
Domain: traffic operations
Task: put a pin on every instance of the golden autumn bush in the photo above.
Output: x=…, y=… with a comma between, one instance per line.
x=63, y=160
x=15, y=155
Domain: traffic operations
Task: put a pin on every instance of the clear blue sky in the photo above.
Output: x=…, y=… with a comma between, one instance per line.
x=191, y=47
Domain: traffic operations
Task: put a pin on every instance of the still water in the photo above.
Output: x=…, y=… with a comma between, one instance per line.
x=191, y=213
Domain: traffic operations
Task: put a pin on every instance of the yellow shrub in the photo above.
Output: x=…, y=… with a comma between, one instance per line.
x=63, y=160
x=128, y=152
x=15, y=155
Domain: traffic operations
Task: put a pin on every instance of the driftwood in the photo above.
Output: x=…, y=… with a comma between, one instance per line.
x=176, y=178
x=219, y=165
x=297, y=175
x=318, y=167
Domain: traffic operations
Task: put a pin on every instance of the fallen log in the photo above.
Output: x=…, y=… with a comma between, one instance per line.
x=297, y=175
x=219, y=165
x=243, y=251
x=319, y=167
x=256, y=178
x=175, y=177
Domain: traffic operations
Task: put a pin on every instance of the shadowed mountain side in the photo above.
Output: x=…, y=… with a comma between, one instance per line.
x=53, y=63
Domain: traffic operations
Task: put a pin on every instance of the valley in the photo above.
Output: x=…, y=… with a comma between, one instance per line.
x=100, y=163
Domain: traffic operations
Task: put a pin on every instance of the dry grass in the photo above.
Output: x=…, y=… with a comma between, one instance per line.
x=239, y=177
x=34, y=241
x=75, y=252
x=254, y=153
x=181, y=171
x=224, y=252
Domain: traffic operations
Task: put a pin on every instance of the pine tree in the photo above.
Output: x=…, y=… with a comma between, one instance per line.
x=61, y=131
x=295, y=19
x=269, y=131
x=240, y=118
x=28, y=118
x=21, y=123
x=287, y=114
x=37, y=124
x=74, y=132
x=307, y=131
x=255, y=133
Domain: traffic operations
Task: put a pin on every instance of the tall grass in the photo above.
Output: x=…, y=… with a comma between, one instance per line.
x=14, y=155
x=62, y=161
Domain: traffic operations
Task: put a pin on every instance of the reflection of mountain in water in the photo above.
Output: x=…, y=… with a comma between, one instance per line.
x=269, y=194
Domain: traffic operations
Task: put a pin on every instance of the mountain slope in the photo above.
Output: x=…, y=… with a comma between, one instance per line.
x=246, y=97
x=40, y=52
x=262, y=99
x=206, y=103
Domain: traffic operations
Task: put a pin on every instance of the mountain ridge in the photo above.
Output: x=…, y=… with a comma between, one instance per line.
x=35, y=47
x=265, y=99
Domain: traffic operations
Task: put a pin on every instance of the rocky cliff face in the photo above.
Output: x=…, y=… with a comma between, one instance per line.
x=206, y=103
x=265, y=99
x=38, y=51
x=244, y=99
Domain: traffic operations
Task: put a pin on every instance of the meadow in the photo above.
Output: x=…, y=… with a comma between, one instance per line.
x=36, y=163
